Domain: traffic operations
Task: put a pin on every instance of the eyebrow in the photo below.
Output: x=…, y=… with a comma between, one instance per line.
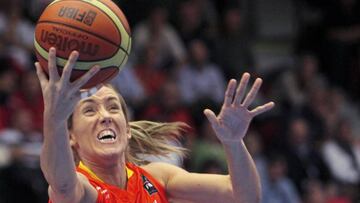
x=112, y=98
x=89, y=100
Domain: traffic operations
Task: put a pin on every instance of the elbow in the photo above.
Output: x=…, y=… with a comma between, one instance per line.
x=63, y=189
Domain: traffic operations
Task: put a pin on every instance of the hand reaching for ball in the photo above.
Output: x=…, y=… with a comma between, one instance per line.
x=61, y=95
x=98, y=30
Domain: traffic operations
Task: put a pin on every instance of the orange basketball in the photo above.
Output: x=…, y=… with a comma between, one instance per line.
x=97, y=29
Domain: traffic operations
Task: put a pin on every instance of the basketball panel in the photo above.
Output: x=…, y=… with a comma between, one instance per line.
x=116, y=60
x=66, y=39
x=83, y=15
x=119, y=13
x=103, y=76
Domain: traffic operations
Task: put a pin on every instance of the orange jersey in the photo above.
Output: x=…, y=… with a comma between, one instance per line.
x=141, y=187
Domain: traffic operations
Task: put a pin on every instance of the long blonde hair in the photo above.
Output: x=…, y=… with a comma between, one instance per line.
x=147, y=137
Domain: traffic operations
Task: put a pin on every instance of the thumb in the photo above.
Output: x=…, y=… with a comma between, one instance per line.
x=210, y=115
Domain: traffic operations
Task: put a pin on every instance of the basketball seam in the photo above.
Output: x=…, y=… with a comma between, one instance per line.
x=118, y=17
x=85, y=61
x=61, y=67
x=123, y=60
x=97, y=60
x=118, y=28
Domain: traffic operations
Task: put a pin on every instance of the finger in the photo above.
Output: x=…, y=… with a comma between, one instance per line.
x=210, y=115
x=261, y=109
x=65, y=77
x=240, y=92
x=86, y=77
x=53, y=72
x=252, y=93
x=41, y=75
x=229, y=93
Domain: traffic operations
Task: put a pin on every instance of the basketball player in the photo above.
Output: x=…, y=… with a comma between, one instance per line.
x=102, y=139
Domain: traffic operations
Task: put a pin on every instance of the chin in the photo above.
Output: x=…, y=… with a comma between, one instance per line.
x=112, y=153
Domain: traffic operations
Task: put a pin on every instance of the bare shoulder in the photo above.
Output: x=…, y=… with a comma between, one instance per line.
x=162, y=172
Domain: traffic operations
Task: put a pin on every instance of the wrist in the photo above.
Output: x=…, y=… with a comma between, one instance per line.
x=53, y=124
x=232, y=143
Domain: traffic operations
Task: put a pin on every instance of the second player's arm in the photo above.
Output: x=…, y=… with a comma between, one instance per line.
x=242, y=185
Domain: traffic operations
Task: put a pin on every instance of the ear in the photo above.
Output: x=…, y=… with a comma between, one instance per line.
x=73, y=141
x=128, y=131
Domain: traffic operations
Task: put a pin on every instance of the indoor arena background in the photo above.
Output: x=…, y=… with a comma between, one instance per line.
x=307, y=149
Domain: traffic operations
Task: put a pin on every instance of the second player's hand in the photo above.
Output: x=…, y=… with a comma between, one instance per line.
x=234, y=118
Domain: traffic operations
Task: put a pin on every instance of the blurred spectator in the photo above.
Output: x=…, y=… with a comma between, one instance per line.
x=304, y=161
x=8, y=85
x=278, y=188
x=17, y=33
x=129, y=85
x=233, y=46
x=342, y=155
x=207, y=154
x=21, y=129
x=294, y=85
x=23, y=176
x=156, y=32
x=315, y=111
x=148, y=73
x=167, y=106
x=201, y=80
x=341, y=106
x=255, y=147
x=29, y=96
x=196, y=19
x=314, y=192
x=342, y=34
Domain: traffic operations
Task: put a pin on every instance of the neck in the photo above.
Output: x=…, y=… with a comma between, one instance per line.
x=114, y=174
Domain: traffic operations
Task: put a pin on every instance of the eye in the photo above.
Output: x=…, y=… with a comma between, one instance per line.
x=114, y=108
x=88, y=110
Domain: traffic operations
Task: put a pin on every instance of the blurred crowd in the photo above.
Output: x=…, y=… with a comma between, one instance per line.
x=307, y=149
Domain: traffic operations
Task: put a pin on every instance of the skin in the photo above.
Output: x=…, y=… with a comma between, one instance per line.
x=103, y=111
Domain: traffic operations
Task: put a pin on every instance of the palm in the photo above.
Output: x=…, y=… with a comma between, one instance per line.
x=233, y=121
x=234, y=118
x=60, y=95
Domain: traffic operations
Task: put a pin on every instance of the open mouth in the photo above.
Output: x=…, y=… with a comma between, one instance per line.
x=107, y=136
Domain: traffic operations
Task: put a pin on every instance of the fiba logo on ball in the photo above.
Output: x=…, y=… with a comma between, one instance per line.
x=87, y=17
x=98, y=30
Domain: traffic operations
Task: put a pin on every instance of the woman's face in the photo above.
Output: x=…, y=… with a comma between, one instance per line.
x=100, y=131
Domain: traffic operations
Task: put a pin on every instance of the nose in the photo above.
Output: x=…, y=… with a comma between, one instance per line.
x=105, y=118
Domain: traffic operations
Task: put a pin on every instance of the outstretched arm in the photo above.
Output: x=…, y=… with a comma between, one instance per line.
x=242, y=185
x=56, y=159
x=231, y=126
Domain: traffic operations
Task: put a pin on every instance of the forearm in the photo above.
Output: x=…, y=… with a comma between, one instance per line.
x=56, y=157
x=243, y=174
